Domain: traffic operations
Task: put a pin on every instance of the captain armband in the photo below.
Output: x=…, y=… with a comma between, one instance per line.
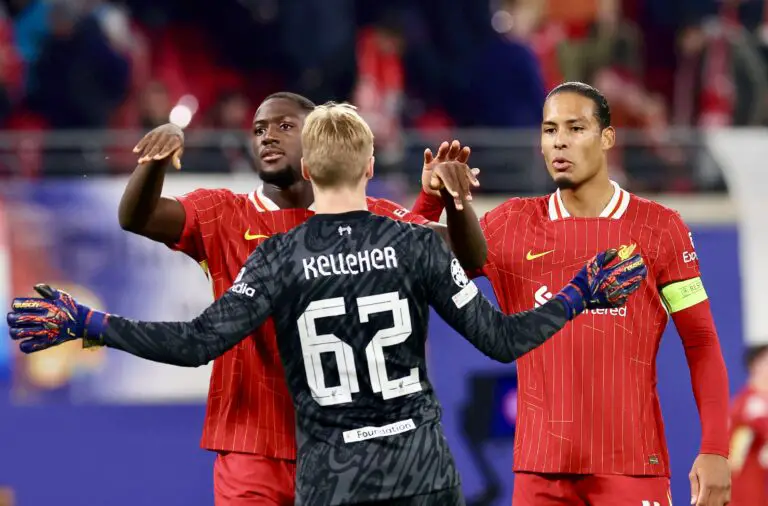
x=683, y=294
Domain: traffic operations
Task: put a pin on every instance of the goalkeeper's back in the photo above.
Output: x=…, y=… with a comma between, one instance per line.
x=352, y=316
x=352, y=338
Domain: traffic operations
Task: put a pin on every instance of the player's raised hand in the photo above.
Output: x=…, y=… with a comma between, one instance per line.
x=606, y=281
x=452, y=152
x=710, y=478
x=457, y=179
x=51, y=319
x=162, y=142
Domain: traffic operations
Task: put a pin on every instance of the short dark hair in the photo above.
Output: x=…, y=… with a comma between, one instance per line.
x=753, y=353
x=303, y=102
x=602, y=109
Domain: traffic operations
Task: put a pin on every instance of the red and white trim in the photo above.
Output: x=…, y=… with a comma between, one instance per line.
x=614, y=210
x=262, y=203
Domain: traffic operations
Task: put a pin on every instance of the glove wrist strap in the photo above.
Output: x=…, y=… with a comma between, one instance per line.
x=573, y=299
x=94, y=325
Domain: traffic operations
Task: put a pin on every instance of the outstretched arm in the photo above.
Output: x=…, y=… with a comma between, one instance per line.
x=236, y=314
x=41, y=323
x=459, y=302
x=604, y=282
x=190, y=344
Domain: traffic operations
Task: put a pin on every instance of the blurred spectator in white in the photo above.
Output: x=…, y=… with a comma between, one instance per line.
x=133, y=44
x=507, y=87
x=115, y=24
x=717, y=57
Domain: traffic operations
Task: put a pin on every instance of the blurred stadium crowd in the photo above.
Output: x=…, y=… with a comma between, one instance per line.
x=410, y=66
x=81, y=81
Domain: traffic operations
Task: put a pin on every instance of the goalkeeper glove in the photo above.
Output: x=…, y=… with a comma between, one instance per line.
x=51, y=319
x=603, y=283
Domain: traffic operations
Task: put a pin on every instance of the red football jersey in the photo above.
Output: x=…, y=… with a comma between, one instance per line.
x=587, y=400
x=749, y=449
x=249, y=408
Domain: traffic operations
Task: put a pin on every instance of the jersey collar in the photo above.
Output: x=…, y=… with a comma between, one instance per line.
x=262, y=203
x=614, y=210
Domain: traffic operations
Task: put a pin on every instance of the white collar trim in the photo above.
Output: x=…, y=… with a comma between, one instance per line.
x=615, y=209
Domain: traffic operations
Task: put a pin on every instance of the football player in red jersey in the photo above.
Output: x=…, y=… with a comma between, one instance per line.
x=749, y=434
x=589, y=428
x=250, y=417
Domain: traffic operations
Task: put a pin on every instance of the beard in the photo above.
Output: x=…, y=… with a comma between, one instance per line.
x=282, y=178
x=565, y=183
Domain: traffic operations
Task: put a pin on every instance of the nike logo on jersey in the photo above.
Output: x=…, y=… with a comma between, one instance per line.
x=534, y=256
x=249, y=237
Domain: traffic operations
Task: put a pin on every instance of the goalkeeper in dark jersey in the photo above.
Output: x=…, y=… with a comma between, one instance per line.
x=350, y=294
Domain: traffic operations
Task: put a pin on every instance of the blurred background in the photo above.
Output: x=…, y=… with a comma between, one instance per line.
x=82, y=80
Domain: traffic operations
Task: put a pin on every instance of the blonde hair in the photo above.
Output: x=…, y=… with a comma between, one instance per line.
x=337, y=145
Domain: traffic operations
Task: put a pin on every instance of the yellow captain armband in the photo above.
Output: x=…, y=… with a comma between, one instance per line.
x=683, y=294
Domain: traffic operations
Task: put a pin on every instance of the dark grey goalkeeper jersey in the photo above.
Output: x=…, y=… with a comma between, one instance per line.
x=350, y=296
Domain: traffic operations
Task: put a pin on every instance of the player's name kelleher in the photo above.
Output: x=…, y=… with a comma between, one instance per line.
x=350, y=263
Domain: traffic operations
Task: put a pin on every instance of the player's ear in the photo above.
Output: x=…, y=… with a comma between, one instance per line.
x=304, y=170
x=608, y=138
x=369, y=170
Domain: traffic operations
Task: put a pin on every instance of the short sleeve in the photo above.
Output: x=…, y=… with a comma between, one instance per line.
x=678, y=260
x=203, y=209
x=389, y=209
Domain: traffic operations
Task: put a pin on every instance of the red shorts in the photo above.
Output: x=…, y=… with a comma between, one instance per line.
x=532, y=489
x=243, y=479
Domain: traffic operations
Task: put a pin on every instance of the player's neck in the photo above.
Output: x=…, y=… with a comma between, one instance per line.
x=296, y=196
x=588, y=199
x=340, y=200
